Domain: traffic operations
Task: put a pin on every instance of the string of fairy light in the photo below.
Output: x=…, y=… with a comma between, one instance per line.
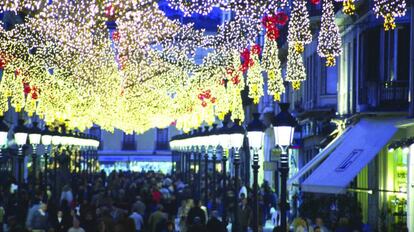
x=65, y=64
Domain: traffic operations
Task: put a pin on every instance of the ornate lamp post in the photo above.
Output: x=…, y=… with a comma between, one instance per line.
x=172, y=144
x=255, y=134
x=213, y=139
x=199, y=141
x=4, y=131
x=20, y=137
x=35, y=135
x=206, y=144
x=46, y=141
x=236, y=133
x=224, y=138
x=56, y=142
x=284, y=127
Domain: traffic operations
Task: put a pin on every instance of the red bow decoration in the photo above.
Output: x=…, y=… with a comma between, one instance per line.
x=35, y=96
x=281, y=18
x=17, y=72
x=109, y=10
x=315, y=2
x=247, y=61
x=256, y=49
x=2, y=63
x=245, y=55
x=26, y=88
x=116, y=36
x=273, y=33
x=235, y=80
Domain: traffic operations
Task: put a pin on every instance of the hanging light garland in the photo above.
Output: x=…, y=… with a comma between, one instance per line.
x=271, y=64
x=389, y=10
x=295, y=70
x=348, y=6
x=127, y=60
x=299, y=32
x=254, y=75
x=329, y=40
x=189, y=7
x=20, y=5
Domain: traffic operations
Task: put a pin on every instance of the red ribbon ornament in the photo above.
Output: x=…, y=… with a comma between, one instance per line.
x=315, y=2
x=281, y=18
x=256, y=49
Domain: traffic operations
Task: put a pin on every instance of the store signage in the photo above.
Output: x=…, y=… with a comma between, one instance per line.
x=269, y=166
x=349, y=160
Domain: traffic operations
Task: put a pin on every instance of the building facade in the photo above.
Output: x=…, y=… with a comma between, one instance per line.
x=353, y=142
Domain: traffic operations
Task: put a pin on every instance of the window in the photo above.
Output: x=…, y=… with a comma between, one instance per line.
x=129, y=143
x=96, y=132
x=403, y=54
x=162, y=139
x=329, y=79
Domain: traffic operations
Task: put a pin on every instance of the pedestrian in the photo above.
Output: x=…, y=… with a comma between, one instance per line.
x=196, y=212
x=62, y=222
x=214, y=224
x=245, y=215
x=40, y=221
x=76, y=226
x=156, y=218
x=138, y=220
x=319, y=223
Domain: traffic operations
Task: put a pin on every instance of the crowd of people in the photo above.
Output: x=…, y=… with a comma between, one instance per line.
x=144, y=202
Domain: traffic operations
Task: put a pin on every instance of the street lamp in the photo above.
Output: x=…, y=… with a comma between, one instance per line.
x=213, y=140
x=224, y=137
x=206, y=143
x=255, y=133
x=284, y=127
x=199, y=142
x=56, y=142
x=20, y=137
x=46, y=141
x=236, y=133
x=4, y=131
x=35, y=135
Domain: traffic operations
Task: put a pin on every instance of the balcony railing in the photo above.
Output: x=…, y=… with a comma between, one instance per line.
x=129, y=146
x=162, y=146
x=394, y=95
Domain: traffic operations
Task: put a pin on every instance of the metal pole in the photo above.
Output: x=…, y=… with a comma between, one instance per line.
x=172, y=161
x=255, y=167
x=188, y=167
x=213, y=193
x=206, y=178
x=224, y=194
x=55, y=176
x=235, y=225
x=34, y=163
x=411, y=84
x=46, y=156
x=193, y=153
x=19, y=171
x=199, y=175
x=284, y=171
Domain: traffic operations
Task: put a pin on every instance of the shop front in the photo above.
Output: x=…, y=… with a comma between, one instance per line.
x=359, y=164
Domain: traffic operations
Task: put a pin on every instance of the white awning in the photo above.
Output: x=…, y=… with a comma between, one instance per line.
x=321, y=156
x=359, y=146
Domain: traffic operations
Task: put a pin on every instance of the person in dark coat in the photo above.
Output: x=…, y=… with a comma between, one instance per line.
x=214, y=224
x=196, y=212
x=245, y=215
x=40, y=219
x=62, y=222
x=197, y=226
